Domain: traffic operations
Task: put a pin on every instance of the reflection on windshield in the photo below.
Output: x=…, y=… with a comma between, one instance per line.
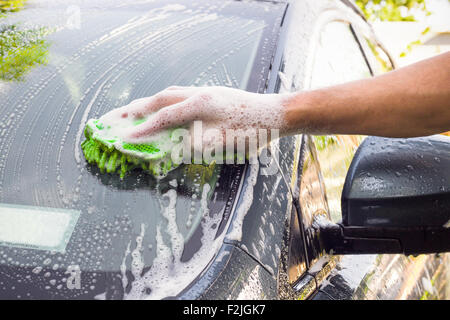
x=20, y=48
x=11, y=6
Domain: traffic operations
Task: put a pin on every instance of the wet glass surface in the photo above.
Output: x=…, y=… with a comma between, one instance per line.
x=131, y=235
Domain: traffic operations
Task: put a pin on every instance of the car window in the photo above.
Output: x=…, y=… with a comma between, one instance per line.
x=376, y=56
x=338, y=59
x=111, y=237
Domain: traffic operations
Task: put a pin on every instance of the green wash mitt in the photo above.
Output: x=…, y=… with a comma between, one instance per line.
x=104, y=148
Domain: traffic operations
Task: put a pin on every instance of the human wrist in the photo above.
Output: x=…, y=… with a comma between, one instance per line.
x=297, y=111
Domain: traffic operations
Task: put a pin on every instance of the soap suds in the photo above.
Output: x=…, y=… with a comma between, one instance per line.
x=123, y=267
x=222, y=255
x=170, y=214
x=244, y=207
x=168, y=275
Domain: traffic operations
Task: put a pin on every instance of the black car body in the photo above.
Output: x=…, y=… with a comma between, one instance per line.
x=226, y=232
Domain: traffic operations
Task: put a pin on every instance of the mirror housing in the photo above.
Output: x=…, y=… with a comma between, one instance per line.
x=396, y=199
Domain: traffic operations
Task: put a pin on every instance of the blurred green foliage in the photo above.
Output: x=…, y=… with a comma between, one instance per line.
x=11, y=6
x=391, y=10
x=322, y=142
x=20, y=49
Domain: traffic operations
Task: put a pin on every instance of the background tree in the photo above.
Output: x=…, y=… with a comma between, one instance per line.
x=392, y=10
x=21, y=49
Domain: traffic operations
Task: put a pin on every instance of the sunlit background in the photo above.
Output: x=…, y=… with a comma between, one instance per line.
x=411, y=30
x=414, y=30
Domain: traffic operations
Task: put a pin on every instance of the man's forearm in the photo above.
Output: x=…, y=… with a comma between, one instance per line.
x=412, y=101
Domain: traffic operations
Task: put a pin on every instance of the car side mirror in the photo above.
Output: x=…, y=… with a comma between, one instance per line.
x=396, y=199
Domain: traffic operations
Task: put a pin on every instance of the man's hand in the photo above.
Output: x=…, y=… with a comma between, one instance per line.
x=412, y=101
x=218, y=108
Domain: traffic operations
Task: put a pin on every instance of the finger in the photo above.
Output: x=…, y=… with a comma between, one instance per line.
x=169, y=117
x=132, y=108
x=164, y=99
x=141, y=107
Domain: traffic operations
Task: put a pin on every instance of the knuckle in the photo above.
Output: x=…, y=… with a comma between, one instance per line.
x=204, y=97
x=159, y=98
x=197, y=110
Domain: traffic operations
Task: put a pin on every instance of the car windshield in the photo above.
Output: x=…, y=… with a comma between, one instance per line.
x=68, y=231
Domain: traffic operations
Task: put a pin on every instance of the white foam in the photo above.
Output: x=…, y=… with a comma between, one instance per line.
x=123, y=267
x=137, y=262
x=247, y=200
x=170, y=214
x=168, y=275
x=173, y=183
x=222, y=255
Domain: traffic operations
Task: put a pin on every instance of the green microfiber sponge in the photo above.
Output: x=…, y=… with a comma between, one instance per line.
x=110, y=154
x=105, y=148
